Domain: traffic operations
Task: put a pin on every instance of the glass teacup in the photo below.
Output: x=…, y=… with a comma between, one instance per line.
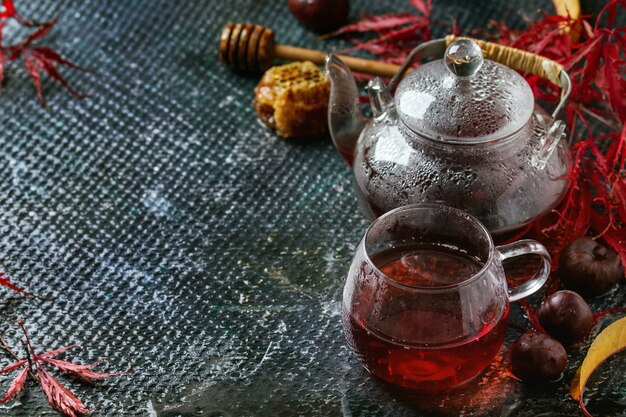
x=426, y=302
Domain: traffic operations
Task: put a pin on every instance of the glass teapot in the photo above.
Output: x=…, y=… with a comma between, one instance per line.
x=462, y=131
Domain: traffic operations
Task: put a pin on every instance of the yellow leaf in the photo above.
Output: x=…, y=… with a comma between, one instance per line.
x=610, y=341
x=569, y=8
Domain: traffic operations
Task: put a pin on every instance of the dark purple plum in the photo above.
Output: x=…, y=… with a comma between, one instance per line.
x=590, y=268
x=320, y=16
x=566, y=316
x=536, y=357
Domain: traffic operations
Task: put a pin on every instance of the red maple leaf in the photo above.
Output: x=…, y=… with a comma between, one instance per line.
x=34, y=366
x=36, y=59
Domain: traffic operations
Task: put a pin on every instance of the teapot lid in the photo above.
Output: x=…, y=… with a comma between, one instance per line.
x=464, y=99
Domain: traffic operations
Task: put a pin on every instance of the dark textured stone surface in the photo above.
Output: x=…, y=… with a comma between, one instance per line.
x=175, y=233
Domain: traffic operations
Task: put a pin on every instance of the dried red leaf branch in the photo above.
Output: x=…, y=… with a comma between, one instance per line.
x=59, y=397
x=36, y=59
x=396, y=33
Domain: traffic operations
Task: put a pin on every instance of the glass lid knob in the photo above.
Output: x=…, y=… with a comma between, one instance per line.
x=463, y=58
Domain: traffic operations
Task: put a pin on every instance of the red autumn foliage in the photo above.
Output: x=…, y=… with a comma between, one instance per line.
x=36, y=59
x=59, y=397
x=397, y=32
x=596, y=201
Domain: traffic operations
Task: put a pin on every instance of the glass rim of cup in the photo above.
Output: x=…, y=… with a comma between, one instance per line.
x=437, y=289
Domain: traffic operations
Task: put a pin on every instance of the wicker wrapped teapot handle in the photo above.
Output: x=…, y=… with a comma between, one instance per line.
x=517, y=59
x=526, y=62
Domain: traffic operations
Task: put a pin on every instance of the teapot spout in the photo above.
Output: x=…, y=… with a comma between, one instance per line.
x=345, y=119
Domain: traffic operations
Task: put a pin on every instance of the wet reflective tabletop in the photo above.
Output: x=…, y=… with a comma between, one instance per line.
x=175, y=233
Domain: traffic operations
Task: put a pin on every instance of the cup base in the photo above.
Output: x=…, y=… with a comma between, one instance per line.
x=424, y=387
x=430, y=369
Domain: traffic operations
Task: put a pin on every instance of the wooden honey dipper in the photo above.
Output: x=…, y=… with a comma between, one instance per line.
x=252, y=48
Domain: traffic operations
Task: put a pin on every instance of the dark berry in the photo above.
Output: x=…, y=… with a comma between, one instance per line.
x=537, y=357
x=320, y=15
x=589, y=268
x=566, y=317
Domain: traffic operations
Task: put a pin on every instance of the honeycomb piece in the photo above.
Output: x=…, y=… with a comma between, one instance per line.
x=293, y=99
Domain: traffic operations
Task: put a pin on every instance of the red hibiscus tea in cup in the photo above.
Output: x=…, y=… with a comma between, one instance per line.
x=426, y=302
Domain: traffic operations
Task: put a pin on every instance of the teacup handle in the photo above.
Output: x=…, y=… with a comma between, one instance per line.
x=527, y=247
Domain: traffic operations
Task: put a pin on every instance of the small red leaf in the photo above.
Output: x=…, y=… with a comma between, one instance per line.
x=613, y=80
x=394, y=34
x=6, y=282
x=83, y=372
x=16, y=386
x=56, y=352
x=52, y=55
x=13, y=366
x=49, y=67
x=423, y=6
x=376, y=23
x=33, y=67
x=37, y=34
x=583, y=51
x=59, y=397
